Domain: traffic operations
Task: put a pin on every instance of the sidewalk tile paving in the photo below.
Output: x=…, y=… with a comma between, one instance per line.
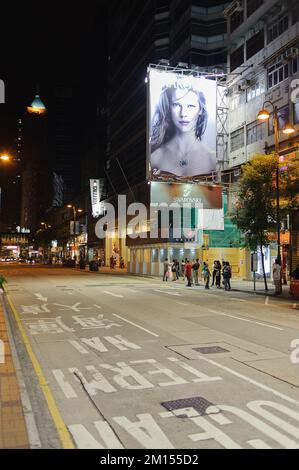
x=13, y=434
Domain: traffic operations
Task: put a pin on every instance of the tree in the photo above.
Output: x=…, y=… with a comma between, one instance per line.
x=255, y=212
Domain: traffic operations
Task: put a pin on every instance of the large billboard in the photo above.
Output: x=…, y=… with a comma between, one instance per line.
x=181, y=126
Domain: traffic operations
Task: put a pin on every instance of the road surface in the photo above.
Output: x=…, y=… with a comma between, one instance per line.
x=124, y=362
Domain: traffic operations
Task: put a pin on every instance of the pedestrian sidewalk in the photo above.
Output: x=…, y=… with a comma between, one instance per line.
x=13, y=434
x=248, y=286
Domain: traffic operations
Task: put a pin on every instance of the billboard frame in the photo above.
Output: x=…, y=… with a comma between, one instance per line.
x=221, y=118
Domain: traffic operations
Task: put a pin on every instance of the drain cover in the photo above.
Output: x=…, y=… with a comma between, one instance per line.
x=199, y=404
x=211, y=350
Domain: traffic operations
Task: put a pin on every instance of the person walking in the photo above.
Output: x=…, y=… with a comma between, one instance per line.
x=206, y=275
x=165, y=270
x=276, y=271
x=177, y=266
x=188, y=272
x=195, y=268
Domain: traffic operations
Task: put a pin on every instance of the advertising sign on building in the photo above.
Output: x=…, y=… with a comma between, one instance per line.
x=96, y=194
x=205, y=200
x=181, y=126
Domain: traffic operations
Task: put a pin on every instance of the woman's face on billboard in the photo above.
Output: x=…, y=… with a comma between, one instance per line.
x=185, y=108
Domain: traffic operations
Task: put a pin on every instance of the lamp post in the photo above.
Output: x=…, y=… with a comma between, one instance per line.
x=45, y=227
x=75, y=210
x=264, y=115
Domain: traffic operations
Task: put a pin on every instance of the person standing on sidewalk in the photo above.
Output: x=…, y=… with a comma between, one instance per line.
x=195, y=268
x=188, y=272
x=276, y=271
x=206, y=275
x=218, y=274
x=227, y=274
x=165, y=270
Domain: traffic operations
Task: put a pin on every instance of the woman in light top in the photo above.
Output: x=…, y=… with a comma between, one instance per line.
x=178, y=125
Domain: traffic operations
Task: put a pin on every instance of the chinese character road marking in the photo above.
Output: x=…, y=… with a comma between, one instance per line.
x=74, y=308
x=93, y=322
x=35, y=309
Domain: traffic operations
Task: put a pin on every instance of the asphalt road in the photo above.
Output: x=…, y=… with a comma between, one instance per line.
x=116, y=361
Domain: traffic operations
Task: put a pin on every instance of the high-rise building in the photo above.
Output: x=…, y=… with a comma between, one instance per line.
x=263, y=58
x=188, y=34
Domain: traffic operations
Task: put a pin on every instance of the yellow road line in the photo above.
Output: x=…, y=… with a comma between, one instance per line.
x=64, y=435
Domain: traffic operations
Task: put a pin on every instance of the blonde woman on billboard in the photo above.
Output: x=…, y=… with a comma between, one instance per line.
x=178, y=125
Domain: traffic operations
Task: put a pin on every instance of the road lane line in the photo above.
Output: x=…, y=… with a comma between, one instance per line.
x=63, y=433
x=168, y=293
x=231, y=316
x=269, y=326
x=251, y=381
x=186, y=305
x=135, y=324
x=245, y=319
x=113, y=295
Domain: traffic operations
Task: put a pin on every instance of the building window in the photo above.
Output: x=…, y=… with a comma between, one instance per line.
x=283, y=119
x=295, y=65
x=255, y=44
x=277, y=28
x=254, y=132
x=237, y=139
x=237, y=58
x=236, y=19
x=236, y=100
x=277, y=73
x=253, y=5
x=256, y=89
x=296, y=113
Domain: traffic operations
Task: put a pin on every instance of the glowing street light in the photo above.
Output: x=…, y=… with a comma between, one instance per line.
x=37, y=106
x=288, y=129
x=5, y=157
x=75, y=210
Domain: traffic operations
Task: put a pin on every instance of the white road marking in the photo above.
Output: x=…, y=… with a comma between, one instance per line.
x=185, y=305
x=113, y=295
x=245, y=319
x=237, y=298
x=251, y=381
x=258, y=444
x=168, y=293
x=267, y=300
x=137, y=326
x=269, y=326
x=40, y=297
x=97, y=306
x=78, y=346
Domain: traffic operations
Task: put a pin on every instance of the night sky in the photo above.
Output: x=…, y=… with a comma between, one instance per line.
x=48, y=44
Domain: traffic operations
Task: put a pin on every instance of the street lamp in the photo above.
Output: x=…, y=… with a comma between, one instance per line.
x=75, y=211
x=264, y=115
x=37, y=106
x=5, y=157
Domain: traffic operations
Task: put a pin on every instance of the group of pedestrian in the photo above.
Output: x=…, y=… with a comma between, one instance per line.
x=195, y=271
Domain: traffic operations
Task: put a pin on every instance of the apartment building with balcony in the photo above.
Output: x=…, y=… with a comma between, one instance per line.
x=263, y=62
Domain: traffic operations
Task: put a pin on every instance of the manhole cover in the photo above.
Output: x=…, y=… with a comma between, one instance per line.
x=199, y=404
x=211, y=350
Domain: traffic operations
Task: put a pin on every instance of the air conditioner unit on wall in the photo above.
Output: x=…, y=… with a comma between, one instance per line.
x=244, y=84
x=290, y=53
x=232, y=8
